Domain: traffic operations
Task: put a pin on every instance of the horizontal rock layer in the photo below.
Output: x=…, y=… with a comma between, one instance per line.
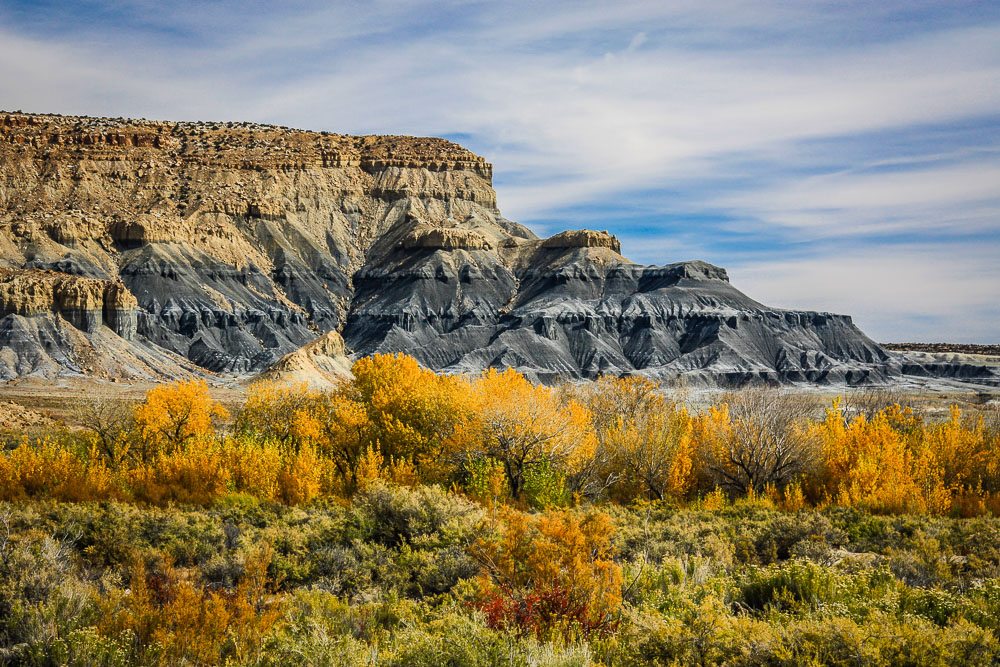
x=238, y=241
x=86, y=303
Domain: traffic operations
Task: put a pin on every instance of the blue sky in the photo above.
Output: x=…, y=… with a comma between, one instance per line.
x=840, y=156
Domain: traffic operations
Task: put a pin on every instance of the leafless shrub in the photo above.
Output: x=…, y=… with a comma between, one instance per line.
x=766, y=445
x=113, y=425
x=869, y=401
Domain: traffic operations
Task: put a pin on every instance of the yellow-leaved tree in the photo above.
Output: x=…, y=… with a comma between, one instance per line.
x=409, y=411
x=524, y=427
x=271, y=408
x=172, y=415
x=644, y=440
x=339, y=430
x=881, y=464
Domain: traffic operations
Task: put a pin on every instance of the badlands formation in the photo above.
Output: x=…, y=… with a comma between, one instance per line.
x=151, y=250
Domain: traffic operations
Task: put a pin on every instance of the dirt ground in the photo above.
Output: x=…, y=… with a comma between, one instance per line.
x=61, y=399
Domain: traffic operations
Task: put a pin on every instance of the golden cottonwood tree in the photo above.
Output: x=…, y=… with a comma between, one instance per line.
x=339, y=429
x=882, y=464
x=521, y=425
x=967, y=451
x=174, y=414
x=644, y=439
x=410, y=410
x=271, y=408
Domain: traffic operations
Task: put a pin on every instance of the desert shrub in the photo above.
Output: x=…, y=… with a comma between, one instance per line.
x=550, y=573
x=544, y=487
x=792, y=586
x=105, y=535
x=735, y=534
x=705, y=633
x=363, y=571
x=392, y=577
x=702, y=632
x=172, y=620
x=323, y=630
x=919, y=561
x=47, y=610
x=452, y=638
x=426, y=516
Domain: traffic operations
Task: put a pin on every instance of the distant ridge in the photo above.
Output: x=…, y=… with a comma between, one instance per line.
x=961, y=348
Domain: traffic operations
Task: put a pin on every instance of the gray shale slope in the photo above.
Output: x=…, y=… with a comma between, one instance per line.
x=153, y=249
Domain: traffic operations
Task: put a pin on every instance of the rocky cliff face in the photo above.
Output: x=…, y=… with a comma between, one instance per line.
x=230, y=245
x=86, y=303
x=239, y=242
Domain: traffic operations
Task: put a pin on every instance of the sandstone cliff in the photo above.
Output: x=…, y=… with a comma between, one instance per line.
x=238, y=241
x=86, y=303
x=226, y=246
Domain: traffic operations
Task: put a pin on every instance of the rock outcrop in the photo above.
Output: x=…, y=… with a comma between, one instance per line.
x=226, y=247
x=444, y=238
x=320, y=364
x=86, y=303
x=582, y=238
x=239, y=241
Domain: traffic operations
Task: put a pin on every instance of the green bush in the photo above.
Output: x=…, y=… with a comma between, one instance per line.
x=797, y=586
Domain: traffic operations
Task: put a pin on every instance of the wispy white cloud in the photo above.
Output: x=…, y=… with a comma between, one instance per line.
x=963, y=197
x=902, y=292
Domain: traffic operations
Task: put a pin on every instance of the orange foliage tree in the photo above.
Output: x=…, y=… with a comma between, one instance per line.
x=967, y=450
x=174, y=414
x=338, y=429
x=522, y=427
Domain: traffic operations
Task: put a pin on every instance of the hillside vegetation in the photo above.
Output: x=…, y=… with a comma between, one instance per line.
x=410, y=518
